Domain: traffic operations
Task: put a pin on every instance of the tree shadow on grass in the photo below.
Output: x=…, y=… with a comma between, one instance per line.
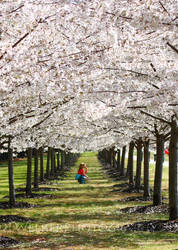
x=87, y=187
x=80, y=204
x=23, y=189
x=82, y=218
x=105, y=238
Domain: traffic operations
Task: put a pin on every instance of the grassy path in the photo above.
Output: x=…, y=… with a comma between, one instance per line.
x=83, y=217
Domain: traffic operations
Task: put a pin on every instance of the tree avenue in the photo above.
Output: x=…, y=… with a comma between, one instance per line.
x=90, y=75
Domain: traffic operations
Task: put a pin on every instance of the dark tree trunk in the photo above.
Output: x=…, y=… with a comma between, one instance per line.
x=55, y=169
x=113, y=160
x=11, y=175
x=52, y=161
x=146, y=169
x=48, y=163
x=36, y=168
x=109, y=157
x=106, y=156
x=119, y=160
x=139, y=164
x=157, y=196
x=66, y=159
x=173, y=172
x=62, y=159
x=130, y=163
x=29, y=173
x=41, y=164
x=112, y=157
x=58, y=161
x=123, y=161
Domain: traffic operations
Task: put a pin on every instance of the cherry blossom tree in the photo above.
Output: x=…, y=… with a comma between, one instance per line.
x=87, y=75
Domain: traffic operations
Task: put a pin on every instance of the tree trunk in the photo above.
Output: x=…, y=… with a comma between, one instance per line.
x=146, y=169
x=119, y=160
x=112, y=157
x=36, y=168
x=130, y=163
x=139, y=164
x=173, y=172
x=69, y=159
x=108, y=156
x=66, y=161
x=62, y=159
x=11, y=175
x=55, y=169
x=52, y=161
x=29, y=173
x=48, y=163
x=41, y=164
x=58, y=161
x=157, y=197
x=123, y=161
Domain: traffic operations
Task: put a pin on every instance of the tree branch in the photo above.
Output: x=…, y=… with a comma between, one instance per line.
x=172, y=47
x=154, y=117
x=136, y=107
x=16, y=9
x=163, y=7
x=15, y=118
x=21, y=39
x=43, y=120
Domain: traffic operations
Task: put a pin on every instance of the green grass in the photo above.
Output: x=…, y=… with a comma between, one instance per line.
x=81, y=216
x=19, y=175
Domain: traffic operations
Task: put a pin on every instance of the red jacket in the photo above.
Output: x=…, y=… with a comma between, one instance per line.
x=81, y=172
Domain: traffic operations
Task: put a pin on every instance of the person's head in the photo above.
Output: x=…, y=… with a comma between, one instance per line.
x=82, y=165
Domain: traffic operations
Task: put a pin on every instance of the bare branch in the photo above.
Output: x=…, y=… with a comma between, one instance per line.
x=153, y=67
x=81, y=40
x=136, y=107
x=125, y=17
x=16, y=9
x=173, y=104
x=43, y=120
x=21, y=39
x=172, y=47
x=163, y=7
x=153, y=85
x=15, y=118
x=154, y=117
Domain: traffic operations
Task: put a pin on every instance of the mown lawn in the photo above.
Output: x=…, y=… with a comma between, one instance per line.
x=19, y=173
x=80, y=216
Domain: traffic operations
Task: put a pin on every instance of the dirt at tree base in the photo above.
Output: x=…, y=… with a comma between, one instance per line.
x=152, y=226
x=38, y=189
x=34, y=196
x=150, y=209
x=132, y=189
x=6, y=242
x=14, y=218
x=6, y=205
x=136, y=198
x=122, y=185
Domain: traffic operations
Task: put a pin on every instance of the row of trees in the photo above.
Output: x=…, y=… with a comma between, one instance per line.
x=142, y=145
x=87, y=75
x=56, y=163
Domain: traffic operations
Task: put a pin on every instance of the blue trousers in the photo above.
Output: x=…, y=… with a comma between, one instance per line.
x=81, y=180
